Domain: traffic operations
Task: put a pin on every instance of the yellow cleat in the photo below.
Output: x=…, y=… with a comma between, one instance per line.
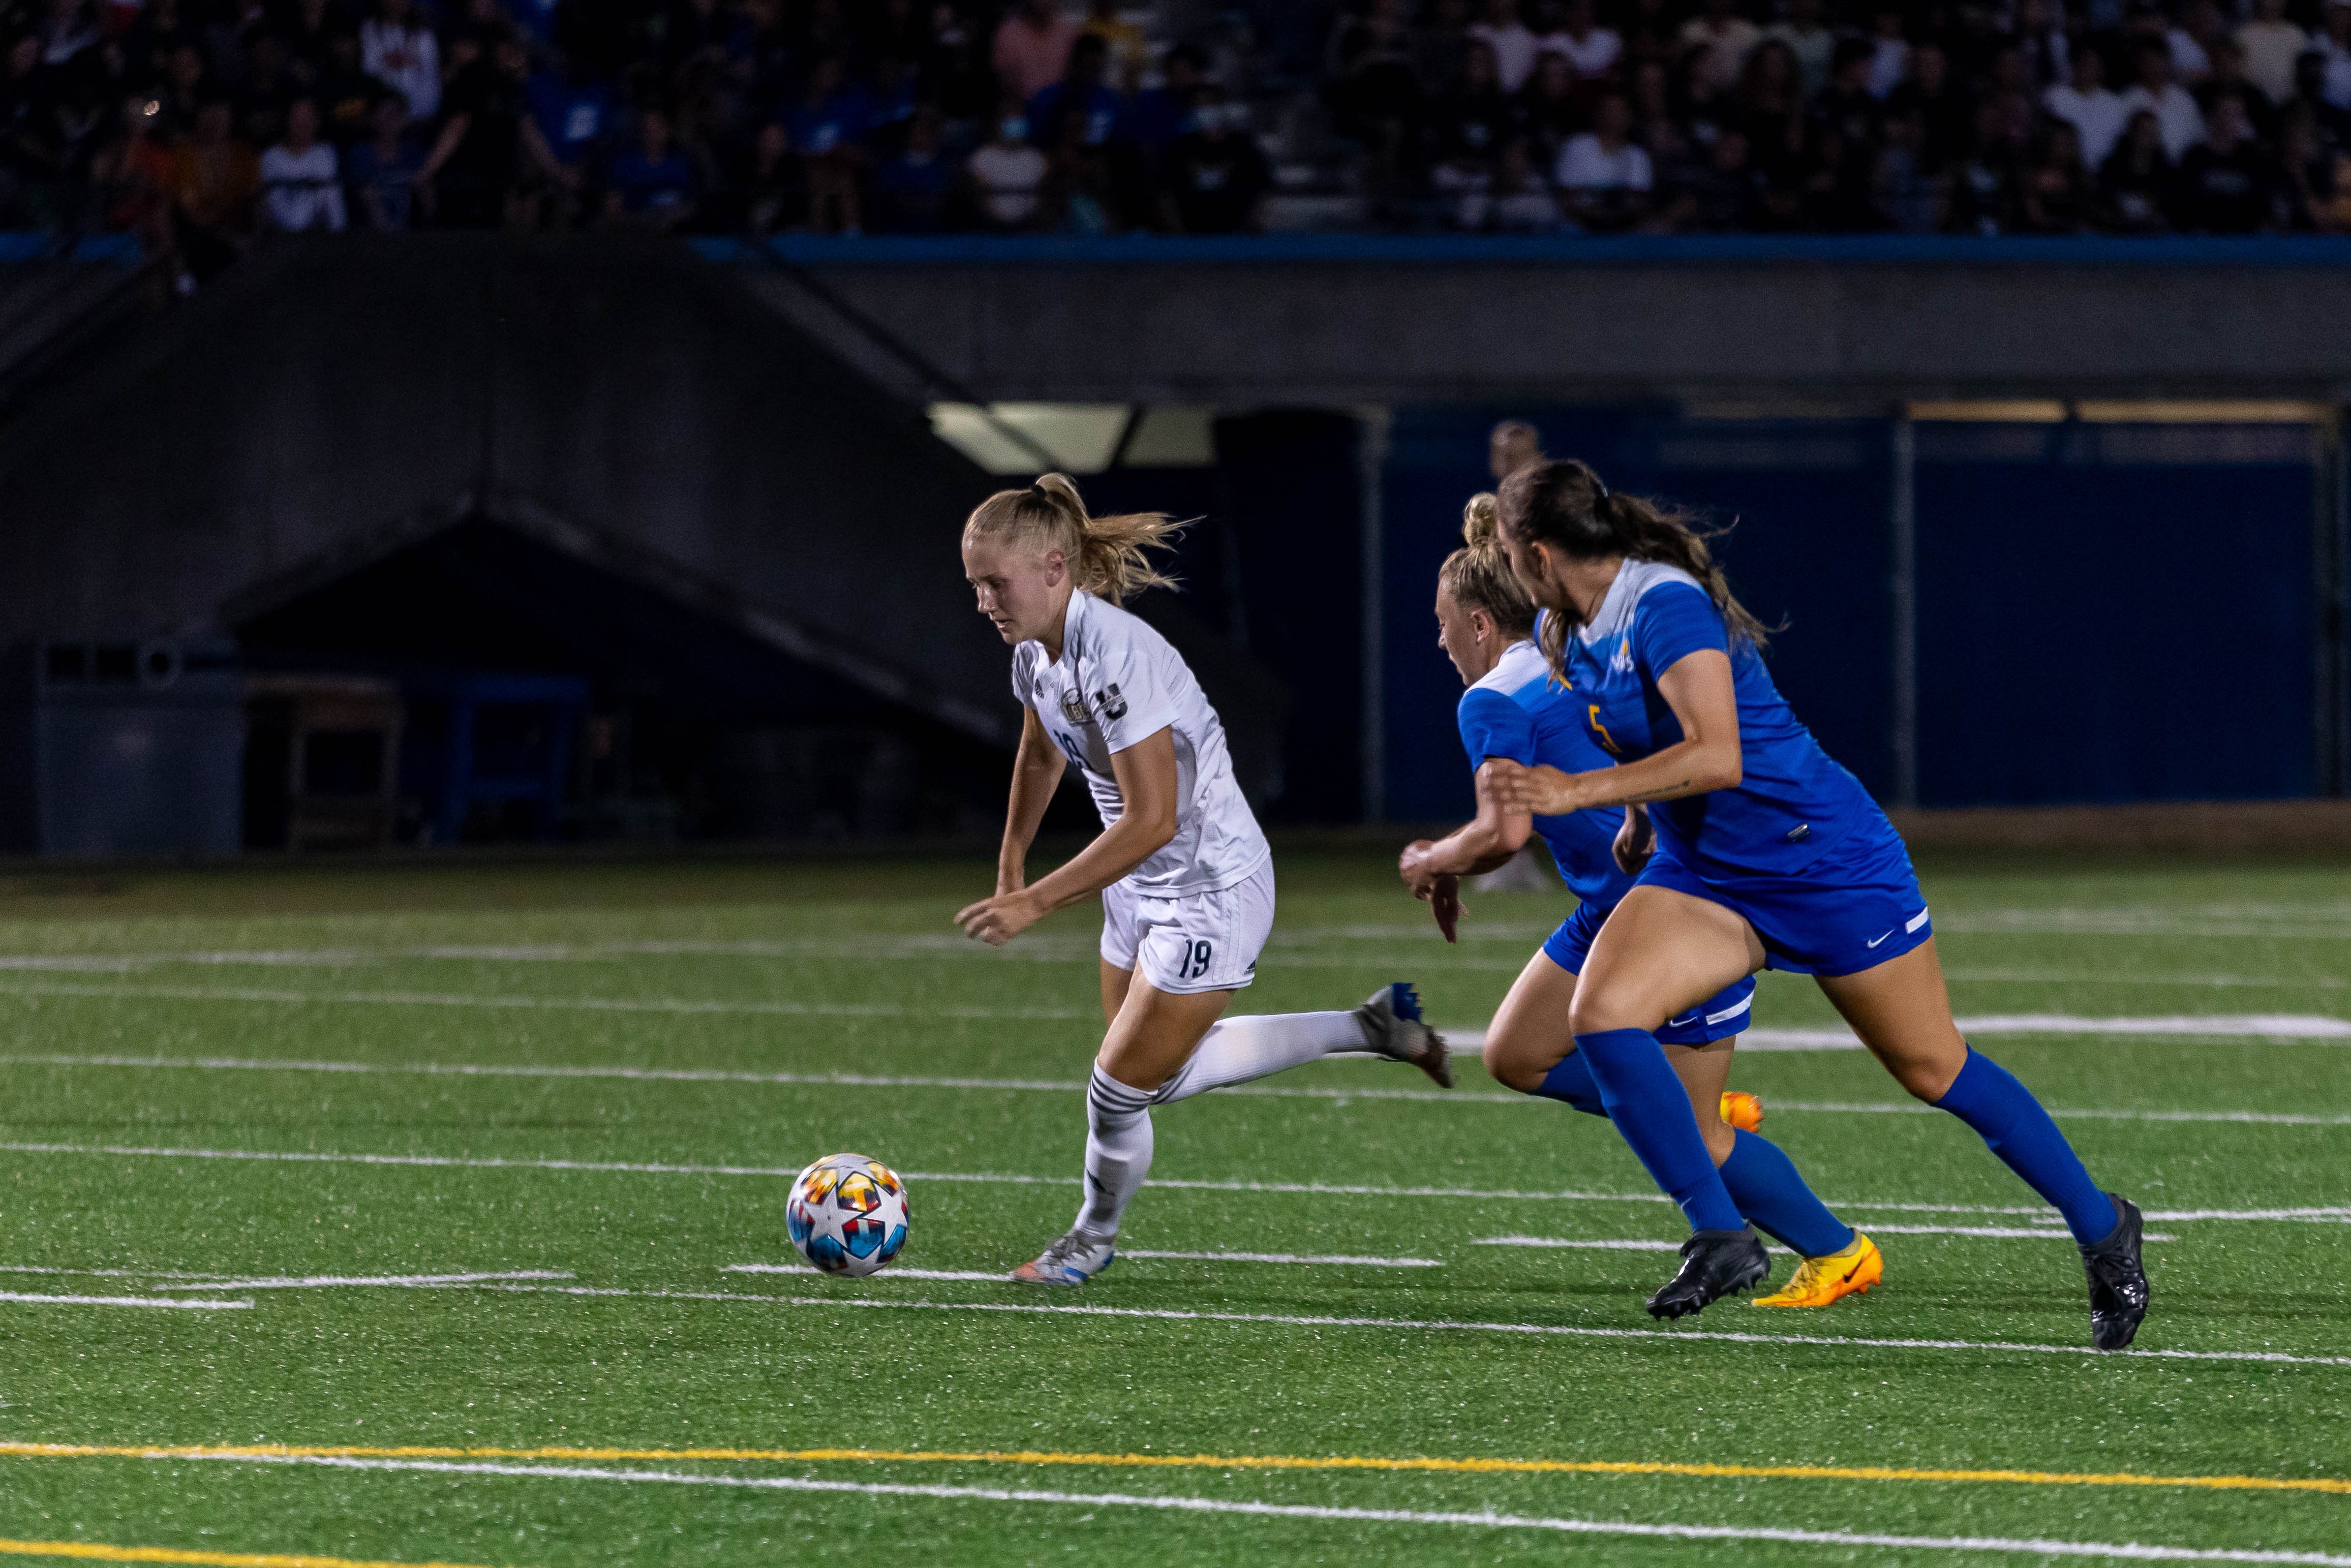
x=1820, y=1280
x=1742, y=1109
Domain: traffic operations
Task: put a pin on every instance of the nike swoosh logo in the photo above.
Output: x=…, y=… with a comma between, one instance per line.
x=1889, y=931
x=1849, y=1273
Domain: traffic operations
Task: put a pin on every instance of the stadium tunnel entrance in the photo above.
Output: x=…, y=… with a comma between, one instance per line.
x=549, y=542
x=532, y=694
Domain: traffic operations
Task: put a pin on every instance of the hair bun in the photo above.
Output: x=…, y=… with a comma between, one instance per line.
x=1481, y=520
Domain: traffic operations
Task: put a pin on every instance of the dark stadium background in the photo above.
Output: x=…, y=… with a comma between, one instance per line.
x=631, y=528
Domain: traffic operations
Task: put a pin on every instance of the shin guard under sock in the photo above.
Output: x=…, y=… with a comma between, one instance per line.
x=2003, y=1113
x=1762, y=1181
x=1118, y=1152
x=1652, y=1111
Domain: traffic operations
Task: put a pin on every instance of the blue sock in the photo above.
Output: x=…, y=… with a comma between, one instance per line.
x=1652, y=1110
x=2004, y=1113
x=1571, y=1080
x=1762, y=1181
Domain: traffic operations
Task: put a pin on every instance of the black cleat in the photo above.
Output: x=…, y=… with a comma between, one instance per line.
x=1394, y=1028
x=2118, y=1281
x=1715, y=1264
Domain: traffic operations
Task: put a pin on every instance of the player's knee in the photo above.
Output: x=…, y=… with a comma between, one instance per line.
x=1600, y=1008
x=1511, y=1064
x=1925, y=1075
x=1923, y=1080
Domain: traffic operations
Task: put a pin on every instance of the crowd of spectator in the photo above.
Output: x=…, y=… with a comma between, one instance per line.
x=200, y=124
x=2039, y=117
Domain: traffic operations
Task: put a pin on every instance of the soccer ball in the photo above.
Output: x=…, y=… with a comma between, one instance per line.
x=847, y=1215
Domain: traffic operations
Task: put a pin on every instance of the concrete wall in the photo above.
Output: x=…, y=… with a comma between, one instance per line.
x=1304, y=320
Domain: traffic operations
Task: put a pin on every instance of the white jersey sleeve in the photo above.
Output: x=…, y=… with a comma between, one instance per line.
x=1117, y=683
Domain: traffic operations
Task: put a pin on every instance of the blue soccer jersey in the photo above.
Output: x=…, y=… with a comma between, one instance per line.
x=1519, y=712
x=1793, y=802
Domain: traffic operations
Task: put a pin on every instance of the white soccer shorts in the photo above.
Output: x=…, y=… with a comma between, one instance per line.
x=1201, y=942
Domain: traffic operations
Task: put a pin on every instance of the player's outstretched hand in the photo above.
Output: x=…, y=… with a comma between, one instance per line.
x=1539, y=791
x=1412, y=866
x=999, y=920
x=1445, y=902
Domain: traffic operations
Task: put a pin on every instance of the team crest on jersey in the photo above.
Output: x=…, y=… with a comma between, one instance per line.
x=1073, y=706
x=1113, y=705
x=1622, y=660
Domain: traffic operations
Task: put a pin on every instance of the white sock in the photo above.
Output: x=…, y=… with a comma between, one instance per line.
x=1257, y=1045
x=1118, y=1151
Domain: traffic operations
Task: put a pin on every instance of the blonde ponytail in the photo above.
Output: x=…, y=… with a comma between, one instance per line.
x=1478, y=574
x=1106, y=555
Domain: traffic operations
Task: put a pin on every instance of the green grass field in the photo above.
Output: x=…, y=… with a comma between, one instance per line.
x=241, y=1093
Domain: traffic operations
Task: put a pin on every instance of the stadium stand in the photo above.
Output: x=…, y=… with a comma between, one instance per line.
x=201, y=126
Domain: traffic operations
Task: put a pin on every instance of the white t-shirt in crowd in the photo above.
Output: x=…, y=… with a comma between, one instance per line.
x=1118, y=683
x=1586, y=165
x=1009, y=179
x=1727, y=50
x=299, y=190
x=407, y=60
x=2271, y=48
x=2099, y=117
x=1814, y=49
x=1593, y=54
x=1514, y=52
x=2175, y=111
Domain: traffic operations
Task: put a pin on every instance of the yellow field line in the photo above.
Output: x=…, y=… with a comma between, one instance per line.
x=1470, y=1465
x=96, y=1552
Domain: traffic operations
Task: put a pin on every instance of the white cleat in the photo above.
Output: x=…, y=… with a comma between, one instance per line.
x=1393, y=1028
x=1072, y=1260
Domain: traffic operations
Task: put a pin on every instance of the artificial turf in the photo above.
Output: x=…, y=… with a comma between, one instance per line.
x=136, y=1010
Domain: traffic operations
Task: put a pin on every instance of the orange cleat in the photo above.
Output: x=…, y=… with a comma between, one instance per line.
x=1820, y=1280
x=1742, y=1109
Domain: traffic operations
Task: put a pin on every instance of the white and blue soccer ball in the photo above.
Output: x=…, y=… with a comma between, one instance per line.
x=847, y=1215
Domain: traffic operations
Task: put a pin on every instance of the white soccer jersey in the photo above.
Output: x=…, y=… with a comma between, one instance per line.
x=1117, y=682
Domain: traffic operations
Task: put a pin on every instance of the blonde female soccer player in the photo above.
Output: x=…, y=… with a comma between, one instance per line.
x=1514, y=712
x=1183, y=873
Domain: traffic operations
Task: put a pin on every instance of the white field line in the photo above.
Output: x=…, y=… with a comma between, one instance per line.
x=1292, y=945
x=2187, y=1025
x=404, y=1281
x=1338, y=1258
x=638, y=1074
x=1560, y=1331
x=1983, y=1232
x=1624, y=1246
x=681, y=1005
x=2323, y=1214
x=999, y=1276
x=2178, y=1026
x=1487, y=1520
x=2259, y=1118
x=32, y=1298
x=1123, y=1252
x=90, y=1273
x=2190, y=982
x=1463, y=1041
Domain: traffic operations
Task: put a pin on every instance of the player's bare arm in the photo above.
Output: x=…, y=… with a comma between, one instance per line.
x=1036, y=772
x=1147, y=781
x=1479, y=845
x=1698, y=688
